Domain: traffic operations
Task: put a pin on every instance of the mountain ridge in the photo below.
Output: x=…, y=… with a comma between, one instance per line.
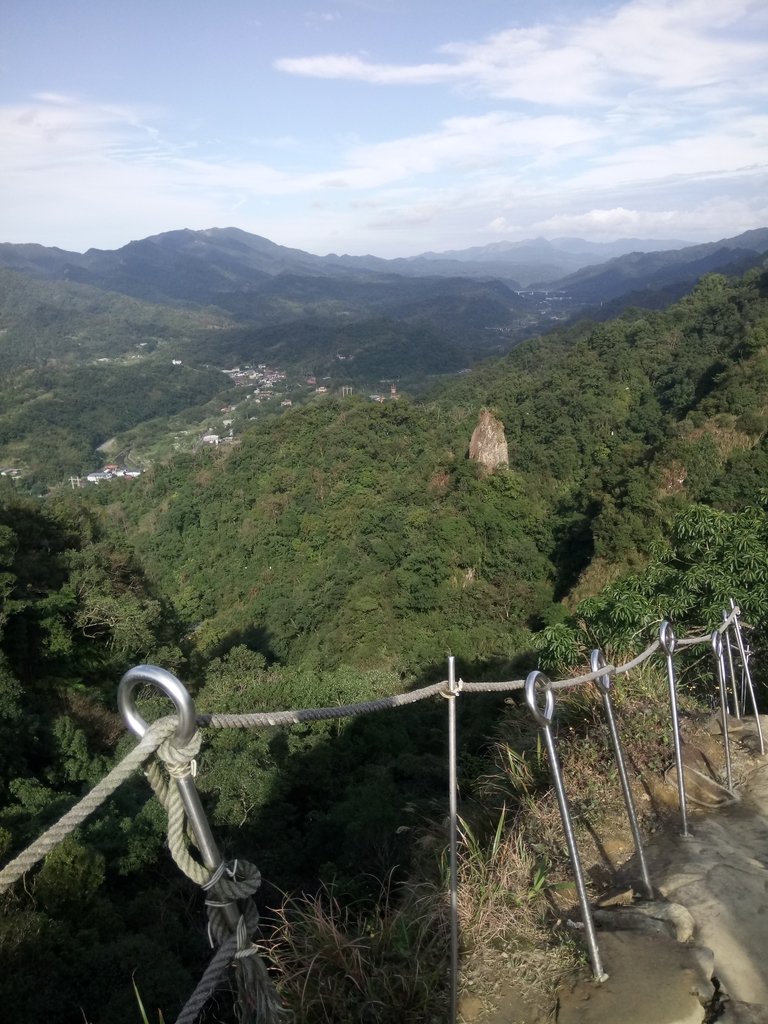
x=197, y=266
x=608, y=281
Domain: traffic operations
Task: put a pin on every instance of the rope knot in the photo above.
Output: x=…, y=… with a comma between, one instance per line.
x=234, y=880
x=180, y=761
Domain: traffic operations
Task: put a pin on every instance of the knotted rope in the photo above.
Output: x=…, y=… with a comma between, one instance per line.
x=229, y=885
x=257, y=1000
x=179, y=763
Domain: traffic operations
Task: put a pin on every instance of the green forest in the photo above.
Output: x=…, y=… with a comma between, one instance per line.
x=338, y=553
x=81, y=366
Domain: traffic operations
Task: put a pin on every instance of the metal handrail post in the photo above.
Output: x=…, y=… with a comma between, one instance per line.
x=604, y=683
x=747, y=674
x=731, y=669
x=668, y=642
x=453, y=692
x=717, y=650
x=544, y=717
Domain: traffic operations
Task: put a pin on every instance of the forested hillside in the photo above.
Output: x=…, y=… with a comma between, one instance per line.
x=82, y=367
x=348, y=532
x=132, y=339
x=340, y=552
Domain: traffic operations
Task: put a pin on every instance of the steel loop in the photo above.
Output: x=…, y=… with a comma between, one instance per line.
x=172, y=687
x=717, y=643
x=667, y=638
x=597, y=661
x=543, y=715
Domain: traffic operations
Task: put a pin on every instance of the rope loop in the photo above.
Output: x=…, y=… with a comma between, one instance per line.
x=180, y=761
x=224, y=891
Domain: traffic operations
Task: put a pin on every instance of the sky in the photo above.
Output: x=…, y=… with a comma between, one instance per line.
x=390, y=127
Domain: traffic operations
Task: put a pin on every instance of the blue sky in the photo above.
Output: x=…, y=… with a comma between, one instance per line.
x=382, y=126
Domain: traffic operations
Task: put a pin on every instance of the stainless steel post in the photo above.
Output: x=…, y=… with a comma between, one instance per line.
x=747, y=674
x=544, y=718
x=453, y=692
x=731, y=669
x=717, y=650
x=185, y=707
x=604, y=683
x=668, y=642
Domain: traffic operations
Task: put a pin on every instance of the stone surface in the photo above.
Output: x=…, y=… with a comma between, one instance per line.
x=658, y=917
x=734, y=1012
x=718, y=878
x=652, y=980
x=720, y=875
x=488, y=446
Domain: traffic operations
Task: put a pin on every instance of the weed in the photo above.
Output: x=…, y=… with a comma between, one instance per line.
x=142, y=1011
x=376, y=962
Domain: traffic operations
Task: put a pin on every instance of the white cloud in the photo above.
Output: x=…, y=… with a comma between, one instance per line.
x=613, y=223
x=712, y=153
x=471, y=144
x=649, y=115
x=710, y=219
x=352, y=68
x=76, y=141
x=646, y=44
x=98, y=172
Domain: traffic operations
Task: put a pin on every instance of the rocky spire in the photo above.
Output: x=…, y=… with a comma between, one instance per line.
x=489, y=443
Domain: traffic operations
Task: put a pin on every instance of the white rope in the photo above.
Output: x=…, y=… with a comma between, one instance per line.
x=147, y=745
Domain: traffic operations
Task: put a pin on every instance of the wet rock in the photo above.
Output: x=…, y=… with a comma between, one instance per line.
x=658, y=917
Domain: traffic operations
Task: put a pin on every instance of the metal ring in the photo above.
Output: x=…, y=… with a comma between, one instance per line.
x=667, y=638
x=543, y=715
x=717, y=643
x=170, y=686
x=596, y=662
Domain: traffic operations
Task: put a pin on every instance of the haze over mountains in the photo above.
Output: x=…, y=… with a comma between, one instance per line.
x=528, y=262
x=197, y=266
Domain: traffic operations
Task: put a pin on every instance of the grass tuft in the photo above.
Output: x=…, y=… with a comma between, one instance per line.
x=373, y=963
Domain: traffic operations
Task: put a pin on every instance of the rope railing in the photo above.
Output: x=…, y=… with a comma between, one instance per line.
x=175, y=741
x=158, y=731
x=537, y=684
x=263, y=720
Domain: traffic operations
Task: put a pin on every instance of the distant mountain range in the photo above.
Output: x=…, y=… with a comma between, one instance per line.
x=94, y=345
x=530, y=262
x=651, y=271
x=236, y=270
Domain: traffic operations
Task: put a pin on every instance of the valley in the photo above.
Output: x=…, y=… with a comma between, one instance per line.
x=148, y=330
x=334, y=550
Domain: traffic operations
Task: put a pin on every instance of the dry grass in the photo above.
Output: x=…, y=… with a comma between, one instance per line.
x=388, y=960
x=507, y=899
x=373, y=965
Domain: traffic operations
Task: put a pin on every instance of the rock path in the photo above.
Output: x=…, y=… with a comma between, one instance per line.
x=663, y=970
